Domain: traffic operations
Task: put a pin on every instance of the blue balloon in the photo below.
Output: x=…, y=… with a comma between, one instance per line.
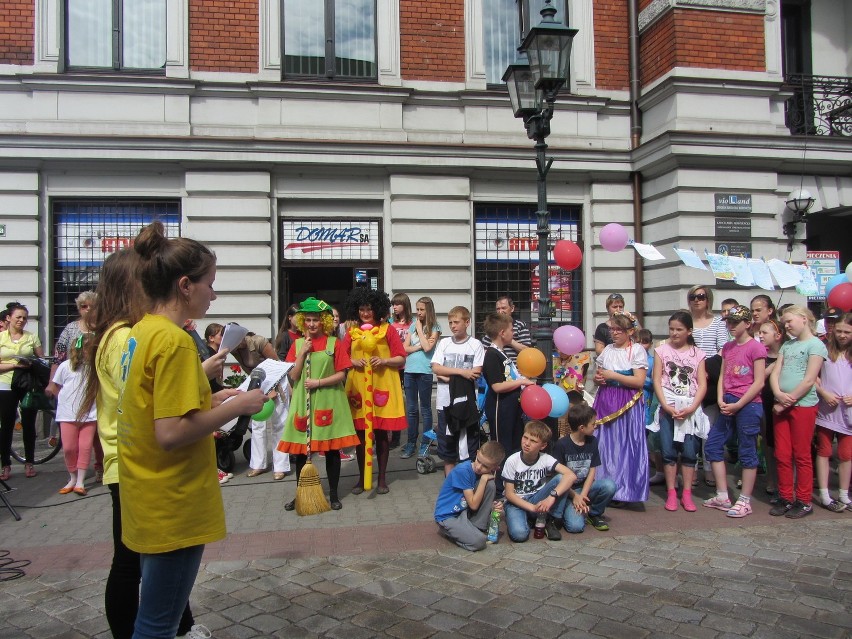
x=559, y=398
x=840, y=278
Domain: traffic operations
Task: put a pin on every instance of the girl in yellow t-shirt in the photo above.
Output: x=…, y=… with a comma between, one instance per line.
x=171, y=503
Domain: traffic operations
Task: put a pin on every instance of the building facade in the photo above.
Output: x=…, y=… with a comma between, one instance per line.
x=316, y=146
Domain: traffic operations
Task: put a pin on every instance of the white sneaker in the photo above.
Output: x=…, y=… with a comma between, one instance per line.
x=198, y=632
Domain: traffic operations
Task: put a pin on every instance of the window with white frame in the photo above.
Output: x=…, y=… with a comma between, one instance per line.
x=504, y=24
x=332, y=39
x=117, y=35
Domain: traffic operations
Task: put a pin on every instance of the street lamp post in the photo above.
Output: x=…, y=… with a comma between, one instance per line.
x=533, y=81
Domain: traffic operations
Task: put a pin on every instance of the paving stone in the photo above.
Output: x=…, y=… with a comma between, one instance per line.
x=680, y=614
x=499, y=617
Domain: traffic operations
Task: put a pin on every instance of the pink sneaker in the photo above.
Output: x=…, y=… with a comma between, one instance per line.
x=718, y=504
x=671, y=500
x=686, y=500
x=740, y=509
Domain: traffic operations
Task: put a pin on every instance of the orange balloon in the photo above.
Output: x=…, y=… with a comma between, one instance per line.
x=531, y=362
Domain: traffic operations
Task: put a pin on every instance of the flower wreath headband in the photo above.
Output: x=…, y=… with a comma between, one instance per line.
x=629, y=316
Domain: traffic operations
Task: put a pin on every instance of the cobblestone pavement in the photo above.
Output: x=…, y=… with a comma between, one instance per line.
x=378, y=569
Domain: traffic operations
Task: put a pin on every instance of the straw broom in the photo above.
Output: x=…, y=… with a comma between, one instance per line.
x=310, y=498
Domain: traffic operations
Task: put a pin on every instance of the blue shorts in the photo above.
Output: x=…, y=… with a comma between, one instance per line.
x=746, y=424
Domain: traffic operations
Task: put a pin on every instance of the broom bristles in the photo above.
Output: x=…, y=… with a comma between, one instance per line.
x=310, y=498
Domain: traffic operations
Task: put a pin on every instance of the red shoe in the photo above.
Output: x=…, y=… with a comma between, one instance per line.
x=29, y=471
x=7, y=472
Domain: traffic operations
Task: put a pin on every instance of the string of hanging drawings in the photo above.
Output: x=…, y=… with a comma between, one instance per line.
x=745, y=271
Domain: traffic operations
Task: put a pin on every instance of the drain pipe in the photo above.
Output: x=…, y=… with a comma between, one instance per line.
x=635, y=141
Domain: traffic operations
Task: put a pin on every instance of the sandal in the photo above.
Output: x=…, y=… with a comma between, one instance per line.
x=29, y=471
x=709, y=481
x=7, y=472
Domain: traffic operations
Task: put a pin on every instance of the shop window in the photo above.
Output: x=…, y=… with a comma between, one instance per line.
x=507, y=262
x=115, y=35
x=332, y=39
x=85, y=233
x=505, y=23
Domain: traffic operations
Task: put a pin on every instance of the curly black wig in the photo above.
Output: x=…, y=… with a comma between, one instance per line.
x=362, y=296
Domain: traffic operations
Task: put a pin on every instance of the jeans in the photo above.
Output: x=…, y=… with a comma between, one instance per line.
x=688, y=448
x=418, y=397
x=517, y=519
x=167, y=580
x=121, y=598
x=599, y=497
x=745, y=424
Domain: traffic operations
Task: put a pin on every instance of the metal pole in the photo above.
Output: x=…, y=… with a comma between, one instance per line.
x=538, y=129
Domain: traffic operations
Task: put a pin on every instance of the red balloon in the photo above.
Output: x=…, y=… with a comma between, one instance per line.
x=567, y=254
x=841, y=297
x=536, y=402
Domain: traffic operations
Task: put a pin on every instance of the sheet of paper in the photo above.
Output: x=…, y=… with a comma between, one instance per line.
x=648, y=251
x=785, y=274
x=807, y=284
x=720, y=265
x=274, y=370
x=761, y=274
x=742, y=273
x=690, y=258
x=232, y=336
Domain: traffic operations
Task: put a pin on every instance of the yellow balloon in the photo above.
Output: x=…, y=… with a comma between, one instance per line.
x=531, y=362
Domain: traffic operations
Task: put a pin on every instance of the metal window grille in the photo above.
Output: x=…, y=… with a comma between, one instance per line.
x=507, y=262
x=85, y=233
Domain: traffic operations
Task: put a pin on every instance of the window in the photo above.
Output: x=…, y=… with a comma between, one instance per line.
x=127, y=35
x=334, y=39
x=507, y=262
x=505, y=23
x=85, y=233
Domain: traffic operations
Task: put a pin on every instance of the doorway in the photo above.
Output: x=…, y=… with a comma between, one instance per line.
x=331, y=284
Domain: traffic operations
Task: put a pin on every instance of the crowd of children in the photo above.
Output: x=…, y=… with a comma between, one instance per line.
x=773, y=389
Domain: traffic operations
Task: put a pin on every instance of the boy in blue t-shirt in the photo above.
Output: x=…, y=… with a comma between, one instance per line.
x=579, y=451
x=464, y=503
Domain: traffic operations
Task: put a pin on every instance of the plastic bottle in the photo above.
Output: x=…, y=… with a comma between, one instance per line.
x=493, y=527
x=539, y=526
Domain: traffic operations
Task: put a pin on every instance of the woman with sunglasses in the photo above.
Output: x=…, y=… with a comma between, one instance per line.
x=709, y=330
x=602, y=337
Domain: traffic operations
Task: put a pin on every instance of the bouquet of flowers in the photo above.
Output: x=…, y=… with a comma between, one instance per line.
x=236, y=377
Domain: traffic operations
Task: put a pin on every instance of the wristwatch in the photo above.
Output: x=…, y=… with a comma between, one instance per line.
x=554, y=494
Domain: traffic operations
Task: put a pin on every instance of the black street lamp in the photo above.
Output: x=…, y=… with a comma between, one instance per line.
x=533, y=81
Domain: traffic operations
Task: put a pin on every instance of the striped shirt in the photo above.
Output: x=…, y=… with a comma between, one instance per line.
x=520, y=334
x=712, y=338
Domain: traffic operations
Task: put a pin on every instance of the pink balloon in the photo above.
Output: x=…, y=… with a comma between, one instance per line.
x=614, y=237
x=841, y=297
x=567, y=254
x=569, y=340
x=536, y=402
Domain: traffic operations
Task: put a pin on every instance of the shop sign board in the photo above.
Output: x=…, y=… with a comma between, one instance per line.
x=323, y=240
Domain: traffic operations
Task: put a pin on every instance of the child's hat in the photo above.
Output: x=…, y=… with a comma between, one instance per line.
x=739, y=313
x=831, y=313
x=313, y=305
